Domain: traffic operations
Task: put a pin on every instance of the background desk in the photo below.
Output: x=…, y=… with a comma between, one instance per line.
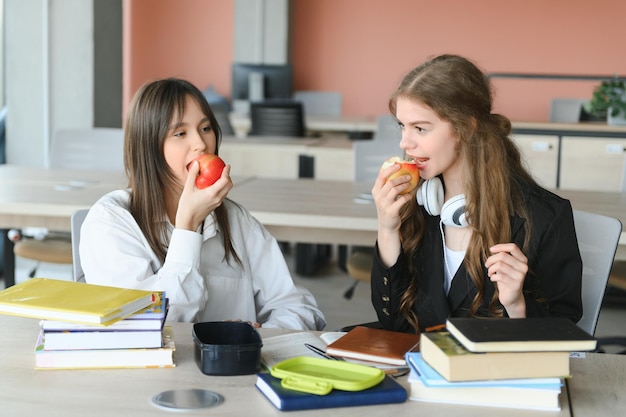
x=298, y=210
x=127, y=392
x=326, y=211
x=312, y=211
x=315, y=123
x=39, y=197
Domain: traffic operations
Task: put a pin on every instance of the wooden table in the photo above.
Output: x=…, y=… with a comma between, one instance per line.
x=313, y=211
x=40, y=197
x=595, y=389
x=127, y=392
x=333, y=212
x=598, y=385
x=297, y=210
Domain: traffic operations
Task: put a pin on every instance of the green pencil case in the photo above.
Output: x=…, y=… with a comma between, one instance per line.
x=321, y=376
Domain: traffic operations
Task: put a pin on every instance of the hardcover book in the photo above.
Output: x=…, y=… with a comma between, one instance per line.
x=101, y=339
x=162, y=357
x=386, y=392
x=72, y=301
x=519, y=335
x=529, y=393
x=151, y=318
x=455, y=363
x=375, y=345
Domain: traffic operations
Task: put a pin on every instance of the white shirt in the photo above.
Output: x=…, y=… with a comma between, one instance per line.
x=200, y=284
x=453, y=260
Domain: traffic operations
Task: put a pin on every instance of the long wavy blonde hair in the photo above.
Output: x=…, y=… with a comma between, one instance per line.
x=459, y=93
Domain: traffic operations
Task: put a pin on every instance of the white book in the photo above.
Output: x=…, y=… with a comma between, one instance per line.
x=101, y=339
x=162, y=357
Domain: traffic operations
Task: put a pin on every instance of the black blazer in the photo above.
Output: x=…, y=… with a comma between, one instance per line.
x=552, y=286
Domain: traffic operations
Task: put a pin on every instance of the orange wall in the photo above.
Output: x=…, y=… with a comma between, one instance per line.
x=191, y=39
x=363, y=47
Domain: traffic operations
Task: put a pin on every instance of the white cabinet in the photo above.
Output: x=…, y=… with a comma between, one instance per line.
x=332, y=163
x=249, y=159
x=280, y=158
x=592, y=163
x=540, y=154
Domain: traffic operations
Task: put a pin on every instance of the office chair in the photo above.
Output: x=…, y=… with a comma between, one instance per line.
x=3, y=117
x=566, y=110
x=78, y=149
x=76, y=221
x=598, y=237
x=387, y=128
x=319, y=103
x=277, y=118
x=224, y=121
x=41, y=245
x=97, y=148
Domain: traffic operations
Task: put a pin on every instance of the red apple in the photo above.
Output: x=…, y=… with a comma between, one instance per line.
x=211, y=167
x=406, y=168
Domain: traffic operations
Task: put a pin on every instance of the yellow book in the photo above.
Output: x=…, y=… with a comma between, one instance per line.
x=77, y=302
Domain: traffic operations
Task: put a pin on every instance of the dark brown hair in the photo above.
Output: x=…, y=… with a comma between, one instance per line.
x=149, y=177
x=459, y=93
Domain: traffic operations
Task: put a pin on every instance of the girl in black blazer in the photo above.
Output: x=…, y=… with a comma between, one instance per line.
x=478, y=236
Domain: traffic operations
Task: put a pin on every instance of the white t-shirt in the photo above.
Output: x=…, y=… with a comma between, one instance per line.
x=200, y=284
x=453, y=260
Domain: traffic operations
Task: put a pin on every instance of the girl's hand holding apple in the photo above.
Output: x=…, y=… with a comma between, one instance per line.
x=406, y=168
x=211, y=167
x=203, y=191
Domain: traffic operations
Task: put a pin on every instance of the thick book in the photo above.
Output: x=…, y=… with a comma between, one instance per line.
x=101, y=339
x=520, y=335
x=425, y=384
x=162, y=357
x=431, y=378
x=375, y=345
x=151, y=318
x=455, y=363
x=386, y=392
x=79, y=302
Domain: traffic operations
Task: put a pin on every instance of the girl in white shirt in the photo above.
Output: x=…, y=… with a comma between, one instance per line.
x=211, y=257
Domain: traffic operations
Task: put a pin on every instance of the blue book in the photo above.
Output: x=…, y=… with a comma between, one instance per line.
x=431, y=378
x=536, y=394
x=386, y=392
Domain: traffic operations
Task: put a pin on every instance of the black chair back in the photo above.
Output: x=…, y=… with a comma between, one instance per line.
x=273, y=118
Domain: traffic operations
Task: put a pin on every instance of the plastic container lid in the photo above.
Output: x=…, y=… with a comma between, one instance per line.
x=321, y=376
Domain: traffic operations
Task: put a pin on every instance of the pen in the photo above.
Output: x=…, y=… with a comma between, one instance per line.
x=396, y=372
x=319, y=351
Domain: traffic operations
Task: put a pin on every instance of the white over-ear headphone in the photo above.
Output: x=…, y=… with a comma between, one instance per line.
x=430, y=195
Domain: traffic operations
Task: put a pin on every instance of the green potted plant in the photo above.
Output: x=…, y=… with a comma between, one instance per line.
x=609, y=101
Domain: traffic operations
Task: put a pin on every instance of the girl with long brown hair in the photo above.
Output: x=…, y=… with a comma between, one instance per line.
x=211, y=257
x=478, y=236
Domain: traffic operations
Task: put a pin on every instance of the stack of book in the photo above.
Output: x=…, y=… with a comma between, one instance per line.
x=93, y=326
x=518, y=363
